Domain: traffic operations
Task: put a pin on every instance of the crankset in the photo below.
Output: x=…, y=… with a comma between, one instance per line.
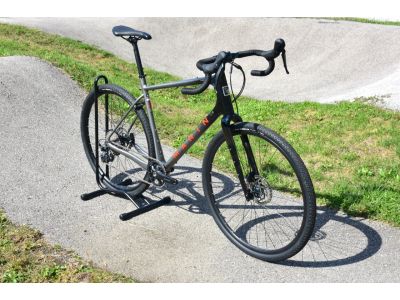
x=160, y=176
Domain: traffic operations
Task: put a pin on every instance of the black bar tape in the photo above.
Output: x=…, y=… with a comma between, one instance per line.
x=197, y=90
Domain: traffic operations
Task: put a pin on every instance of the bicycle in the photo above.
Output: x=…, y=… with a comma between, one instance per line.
x=269, y=209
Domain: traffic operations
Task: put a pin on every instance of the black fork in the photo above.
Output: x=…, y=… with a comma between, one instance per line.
x=229, y=116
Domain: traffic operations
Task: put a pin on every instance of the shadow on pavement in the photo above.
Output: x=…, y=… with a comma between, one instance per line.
x=337, y=240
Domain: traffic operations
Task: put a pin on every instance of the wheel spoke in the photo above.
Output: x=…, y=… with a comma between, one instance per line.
x=271, y=221
x=129, y=134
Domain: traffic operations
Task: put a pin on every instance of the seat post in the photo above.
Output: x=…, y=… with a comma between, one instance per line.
x=137, y=58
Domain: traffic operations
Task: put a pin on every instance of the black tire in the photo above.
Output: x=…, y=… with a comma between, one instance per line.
x=220, y=191
x=121, y=100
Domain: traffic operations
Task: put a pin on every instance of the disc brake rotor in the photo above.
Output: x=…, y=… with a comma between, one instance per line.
x=261, y=190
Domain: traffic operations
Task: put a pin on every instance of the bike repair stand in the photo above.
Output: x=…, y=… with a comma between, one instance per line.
x=140, y=209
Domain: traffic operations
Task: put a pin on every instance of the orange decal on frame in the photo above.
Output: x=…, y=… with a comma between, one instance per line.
x=176, y=154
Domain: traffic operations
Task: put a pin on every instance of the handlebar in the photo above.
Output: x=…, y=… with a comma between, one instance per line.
x=201, y=88
x=211, y=65
x=270, y=55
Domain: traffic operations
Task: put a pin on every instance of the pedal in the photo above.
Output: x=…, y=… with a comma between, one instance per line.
x=166, y=178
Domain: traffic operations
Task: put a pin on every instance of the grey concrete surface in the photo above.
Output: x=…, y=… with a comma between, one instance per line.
x=329, y=60
x=44, y=171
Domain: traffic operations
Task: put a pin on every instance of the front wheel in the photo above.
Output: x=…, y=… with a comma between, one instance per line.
x=278, y=219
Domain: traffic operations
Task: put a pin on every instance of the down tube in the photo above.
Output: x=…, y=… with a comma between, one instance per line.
x=192, y=138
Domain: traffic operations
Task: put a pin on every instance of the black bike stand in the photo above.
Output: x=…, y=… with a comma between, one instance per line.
x=140, y=209
x=101, y=176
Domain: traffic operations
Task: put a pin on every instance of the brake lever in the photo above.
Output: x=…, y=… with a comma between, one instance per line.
x=284, y=60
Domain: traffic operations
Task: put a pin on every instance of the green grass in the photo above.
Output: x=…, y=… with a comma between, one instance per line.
x=365, y=20
x=351, y=149
x=26, y=257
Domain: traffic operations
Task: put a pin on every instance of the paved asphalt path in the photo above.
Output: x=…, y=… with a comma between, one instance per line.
x=328, y=60
x=44, y=171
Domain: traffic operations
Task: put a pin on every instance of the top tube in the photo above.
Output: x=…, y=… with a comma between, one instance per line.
x=184, y=82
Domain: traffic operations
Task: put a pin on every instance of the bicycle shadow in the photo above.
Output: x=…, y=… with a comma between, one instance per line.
x=337, y=239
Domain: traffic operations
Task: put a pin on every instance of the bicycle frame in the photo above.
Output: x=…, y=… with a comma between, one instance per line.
x=223, y=101
x=223, y=107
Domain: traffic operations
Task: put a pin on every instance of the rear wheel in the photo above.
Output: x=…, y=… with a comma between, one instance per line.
x=279, y=219
x=133, y=134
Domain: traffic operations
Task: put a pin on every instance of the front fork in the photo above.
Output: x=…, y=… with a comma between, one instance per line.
x=227, y=130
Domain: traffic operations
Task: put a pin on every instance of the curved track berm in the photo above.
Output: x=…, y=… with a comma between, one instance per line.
x=328, y=60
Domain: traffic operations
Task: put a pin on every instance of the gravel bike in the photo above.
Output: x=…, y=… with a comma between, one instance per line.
x=266, y=208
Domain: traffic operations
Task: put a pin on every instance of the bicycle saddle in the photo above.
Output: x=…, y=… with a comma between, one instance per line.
x=122, y=31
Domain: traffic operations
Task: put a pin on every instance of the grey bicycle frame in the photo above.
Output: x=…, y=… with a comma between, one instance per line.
x=138, y=158
x=223, y=107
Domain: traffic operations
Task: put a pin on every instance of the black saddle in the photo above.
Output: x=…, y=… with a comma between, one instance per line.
x=125, y=31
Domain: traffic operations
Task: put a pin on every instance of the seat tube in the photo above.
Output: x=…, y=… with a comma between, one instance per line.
x=137, y=58
x=149, y=109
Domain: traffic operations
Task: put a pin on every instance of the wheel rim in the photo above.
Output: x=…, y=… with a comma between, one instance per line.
x=124, y=174
x=271, y=222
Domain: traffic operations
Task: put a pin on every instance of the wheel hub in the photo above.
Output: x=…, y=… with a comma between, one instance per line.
x=123, y=138
x=126, y=139
x=259, y=187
